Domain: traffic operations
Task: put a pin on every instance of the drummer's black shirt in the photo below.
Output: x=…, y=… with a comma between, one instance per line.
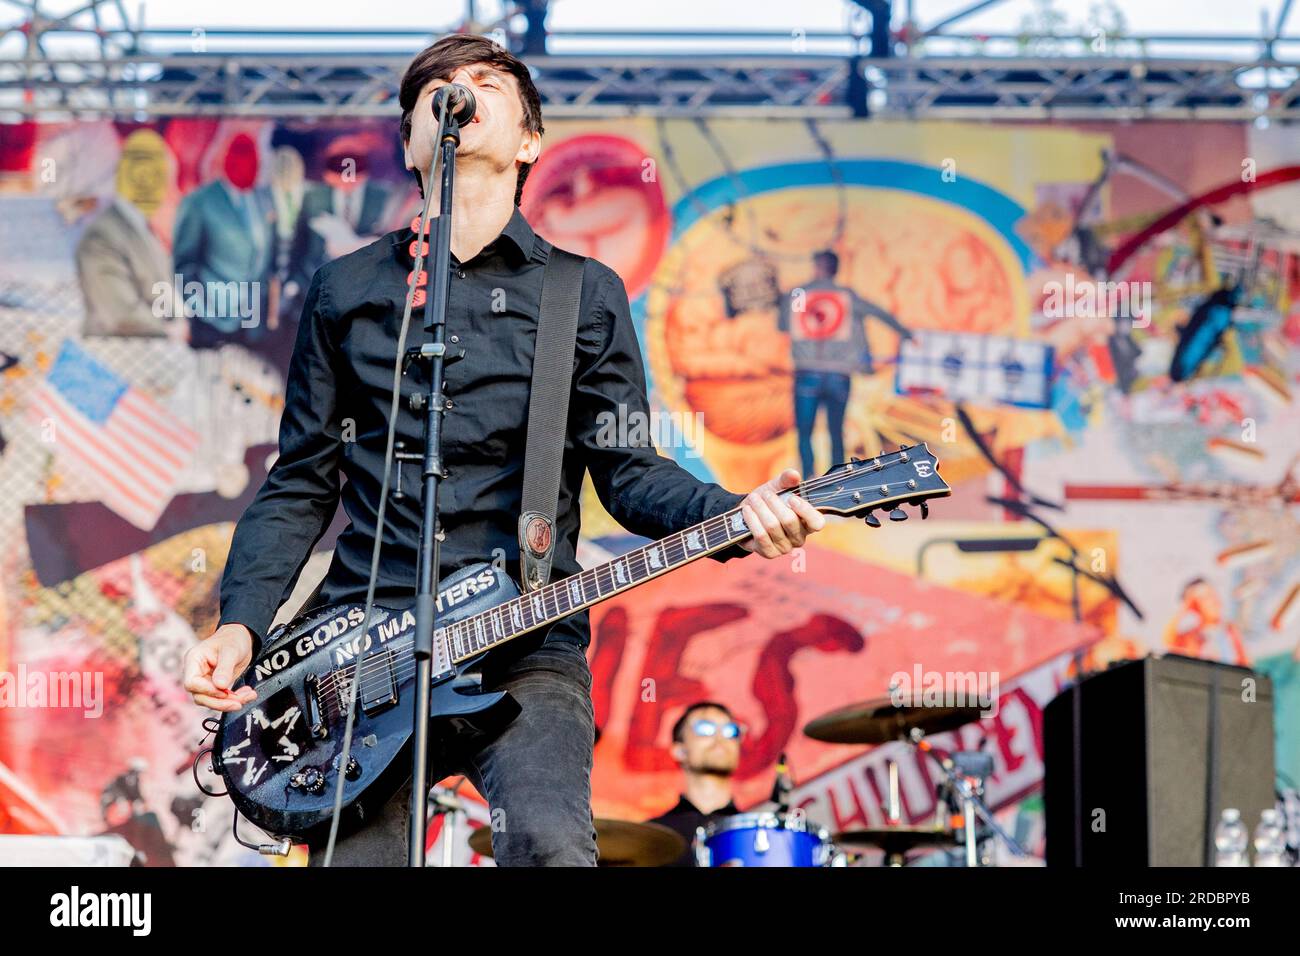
x=334, y=427
x=685, y=818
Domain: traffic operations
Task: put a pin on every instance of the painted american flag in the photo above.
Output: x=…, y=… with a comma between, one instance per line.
x=132, y=448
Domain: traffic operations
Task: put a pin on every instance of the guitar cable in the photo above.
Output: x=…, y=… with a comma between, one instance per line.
x=421, y=243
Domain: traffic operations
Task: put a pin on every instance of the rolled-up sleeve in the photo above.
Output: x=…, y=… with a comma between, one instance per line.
x=648, y=494
x=296, y=503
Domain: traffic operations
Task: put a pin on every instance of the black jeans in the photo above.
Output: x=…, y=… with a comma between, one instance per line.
x=535, y=775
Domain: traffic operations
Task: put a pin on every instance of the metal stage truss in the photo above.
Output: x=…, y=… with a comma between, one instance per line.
x=571, y=86
x=140, y=74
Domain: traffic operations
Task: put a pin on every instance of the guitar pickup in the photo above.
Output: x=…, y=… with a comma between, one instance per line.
x=378, y=690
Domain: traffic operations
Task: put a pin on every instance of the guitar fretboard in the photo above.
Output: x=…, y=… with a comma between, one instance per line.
x=551, y=602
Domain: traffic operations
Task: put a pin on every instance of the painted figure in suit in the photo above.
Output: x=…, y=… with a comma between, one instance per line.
x=342, y=213
x=225, y=242
x=124, y=270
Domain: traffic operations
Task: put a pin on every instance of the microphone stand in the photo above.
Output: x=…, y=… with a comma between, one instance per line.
x=432, y=472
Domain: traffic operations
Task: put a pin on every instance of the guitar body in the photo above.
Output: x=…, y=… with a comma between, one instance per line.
x=281, y=755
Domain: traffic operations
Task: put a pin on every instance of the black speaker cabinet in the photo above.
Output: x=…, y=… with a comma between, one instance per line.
x=1164, y=744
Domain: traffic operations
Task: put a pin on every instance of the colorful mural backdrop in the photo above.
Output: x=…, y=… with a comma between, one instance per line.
x=1094, y=327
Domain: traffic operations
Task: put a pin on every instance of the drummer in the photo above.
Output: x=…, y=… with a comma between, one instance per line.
x=706, y=745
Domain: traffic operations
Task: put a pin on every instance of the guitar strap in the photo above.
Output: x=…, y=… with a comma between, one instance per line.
x=548, y=414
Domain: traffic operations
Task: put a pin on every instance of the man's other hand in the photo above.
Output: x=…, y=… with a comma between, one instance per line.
x=211, y=666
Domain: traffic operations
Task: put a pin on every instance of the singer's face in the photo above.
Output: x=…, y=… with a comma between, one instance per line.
x=495, y=137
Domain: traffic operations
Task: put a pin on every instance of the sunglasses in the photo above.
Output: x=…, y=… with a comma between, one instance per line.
x=707, y=728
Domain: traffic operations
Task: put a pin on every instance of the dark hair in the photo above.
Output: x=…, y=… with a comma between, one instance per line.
x=445, y=57
x=829, y=258
x=679, y=728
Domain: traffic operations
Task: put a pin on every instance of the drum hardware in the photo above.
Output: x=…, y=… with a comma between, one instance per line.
x=896, y=841
x=881, y=721
x=447, y=803
x=969, y=790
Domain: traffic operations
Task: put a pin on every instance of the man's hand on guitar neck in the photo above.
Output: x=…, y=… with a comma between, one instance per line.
x=211, y=666
x=779, y=525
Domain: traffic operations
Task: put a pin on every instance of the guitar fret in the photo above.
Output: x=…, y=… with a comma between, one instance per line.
x=560, y=598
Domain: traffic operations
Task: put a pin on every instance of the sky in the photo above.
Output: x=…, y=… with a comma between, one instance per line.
x=1200, y=17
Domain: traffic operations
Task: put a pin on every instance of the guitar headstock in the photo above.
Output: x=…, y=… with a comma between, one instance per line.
x=908, y=476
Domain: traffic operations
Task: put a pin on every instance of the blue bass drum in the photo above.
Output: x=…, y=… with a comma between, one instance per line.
x=762, y=839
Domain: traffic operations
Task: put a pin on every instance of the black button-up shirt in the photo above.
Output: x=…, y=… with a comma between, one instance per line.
x=334, y=426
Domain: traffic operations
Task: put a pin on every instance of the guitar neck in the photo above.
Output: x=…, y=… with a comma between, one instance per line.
x=558, y=600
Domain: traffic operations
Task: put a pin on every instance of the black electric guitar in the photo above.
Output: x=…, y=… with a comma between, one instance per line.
x=281, y=755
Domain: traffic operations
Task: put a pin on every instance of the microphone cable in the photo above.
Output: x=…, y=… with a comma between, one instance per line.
x=421, y=243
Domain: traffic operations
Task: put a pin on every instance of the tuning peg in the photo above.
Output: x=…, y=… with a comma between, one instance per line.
x=925, y=510
x=898, y=514
x=871, y=520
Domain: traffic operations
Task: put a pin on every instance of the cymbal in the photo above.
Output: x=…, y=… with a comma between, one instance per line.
x=896, y=839
x=619, y=842
x=879, y=722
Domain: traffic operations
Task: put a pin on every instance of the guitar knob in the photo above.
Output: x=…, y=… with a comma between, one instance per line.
x=354, y=769
x=309, y=779
x=925, y=510
x=898, y=514
x=871, y=520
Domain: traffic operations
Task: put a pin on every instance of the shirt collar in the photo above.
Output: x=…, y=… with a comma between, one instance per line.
x=520, y=233
x=685, y=806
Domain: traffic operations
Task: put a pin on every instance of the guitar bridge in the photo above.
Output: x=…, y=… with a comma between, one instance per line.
x=311, y=690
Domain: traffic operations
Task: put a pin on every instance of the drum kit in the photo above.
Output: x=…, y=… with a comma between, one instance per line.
x=785, y=837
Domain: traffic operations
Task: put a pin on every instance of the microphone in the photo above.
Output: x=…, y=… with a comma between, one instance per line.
x=782, y=787
x=461, y=106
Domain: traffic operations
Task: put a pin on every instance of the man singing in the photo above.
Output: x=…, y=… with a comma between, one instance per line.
x=537, y=772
